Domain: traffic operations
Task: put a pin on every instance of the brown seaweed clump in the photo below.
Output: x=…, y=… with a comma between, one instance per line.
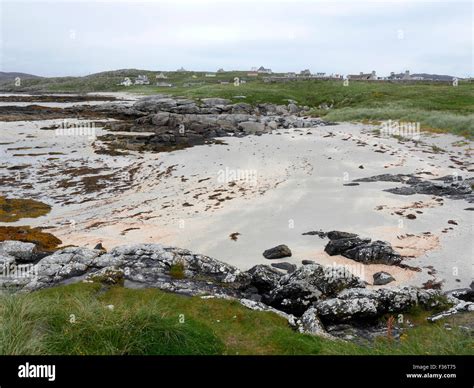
x=13, y=209
x=45, y=242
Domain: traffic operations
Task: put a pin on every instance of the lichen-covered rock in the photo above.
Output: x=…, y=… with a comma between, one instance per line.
x=309, y=323
x=62, y=265
x=5, y=262
x=259, y=306
x=357, y=303
x=453, y=302
x=350, y=304
x=264, y=278
x=147, y=265
x=376, y=252
x=459, y=307
x=297, y=291
x=361, y=249
x=148, y=262
x=22, y=252
x=108, y=275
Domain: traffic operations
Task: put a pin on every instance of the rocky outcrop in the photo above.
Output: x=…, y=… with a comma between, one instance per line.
x=357, y=303
x=259, y=306
x=297, y=291
x=179, y=122
x=450, y=186
x=338, y=235
x=461, y=301
x=363, y=250
x=312, y=298
x=148, y=265
x=375, y=252
x=62, y=265
x=309, y=323
x=264, y=278
x=19, y=251
x=339, y=246
x=453, y=189
x=288, y=267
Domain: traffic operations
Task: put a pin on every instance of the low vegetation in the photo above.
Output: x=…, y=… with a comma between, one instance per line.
x=177, y=271
x=436, y=106
x=87, y=318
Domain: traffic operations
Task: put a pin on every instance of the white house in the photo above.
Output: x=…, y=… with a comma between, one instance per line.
x=142, y=80
x=126, y=82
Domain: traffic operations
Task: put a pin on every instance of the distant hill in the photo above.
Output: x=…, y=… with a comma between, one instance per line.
x=4, y=76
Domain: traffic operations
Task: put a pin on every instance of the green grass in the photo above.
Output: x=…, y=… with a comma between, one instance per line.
x=177, y=271
x=75, y=319
x=437, y=106
x=437, y=121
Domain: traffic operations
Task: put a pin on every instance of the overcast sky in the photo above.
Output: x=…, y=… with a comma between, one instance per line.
x=78, y=37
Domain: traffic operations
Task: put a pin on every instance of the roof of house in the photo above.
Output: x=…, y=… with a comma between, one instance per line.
x=360, y=76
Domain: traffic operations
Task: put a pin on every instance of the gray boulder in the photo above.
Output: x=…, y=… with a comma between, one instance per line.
x=288, y=267
x=22, y=252
x=357, y=303
x=146, y=265
x=309, y=323
x=339, y=246
x=376, y=252
x=363, y=250
x=149, y=263
x=297, y=291
x=277, y=252
x=6, y=261
x=155, y=103
x=381, y=278
x=62, y=265
x=352, y=304
x=259, y=306
x=161, y=119
x=264, y=278
x=252, y=127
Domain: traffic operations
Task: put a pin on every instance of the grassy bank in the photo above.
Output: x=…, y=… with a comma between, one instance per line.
x=84, y=319
x=436, y=106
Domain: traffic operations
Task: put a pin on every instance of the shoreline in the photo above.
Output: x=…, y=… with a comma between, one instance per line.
x=173, y=200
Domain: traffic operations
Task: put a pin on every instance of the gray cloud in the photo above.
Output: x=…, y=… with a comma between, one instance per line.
x=76, y=38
